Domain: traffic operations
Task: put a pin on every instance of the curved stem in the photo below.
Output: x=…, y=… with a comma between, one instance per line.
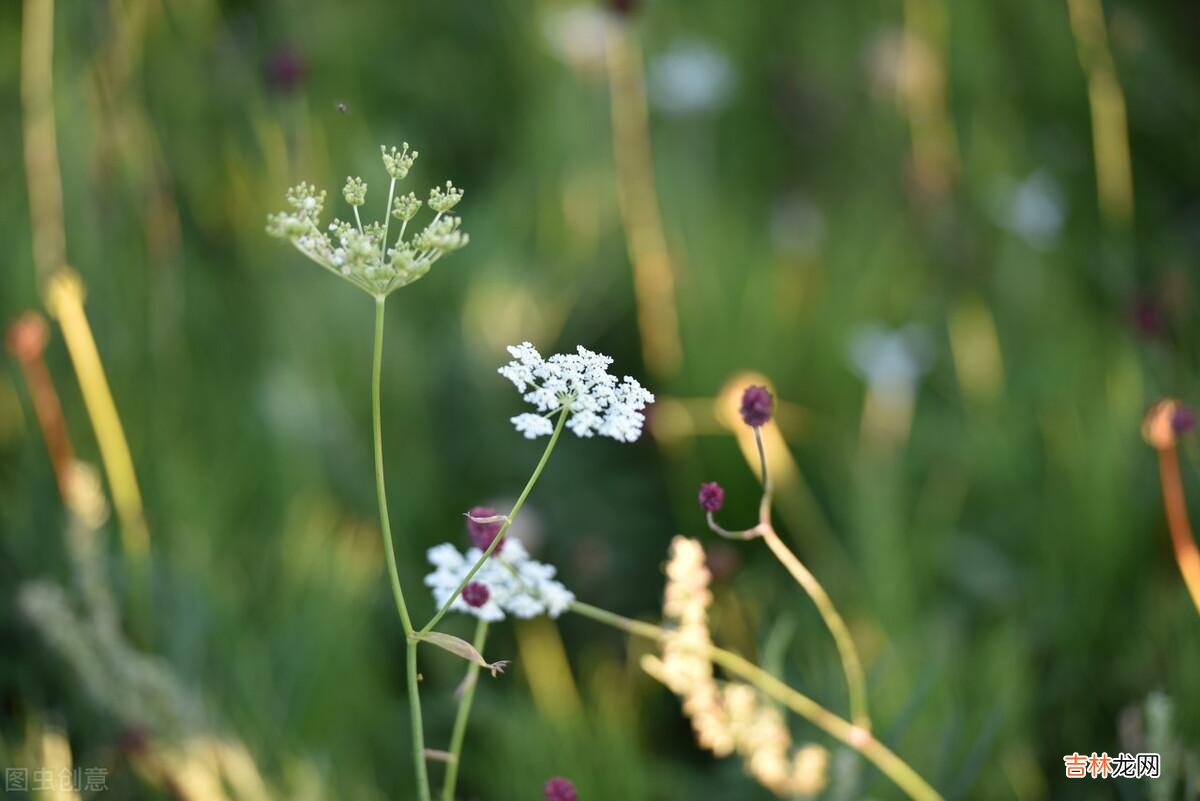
x=856, y=684
x=464, y=712
x=512, y=515
x=854, y=736
x=1182, y=540
x=385, y=527
x=851, y=665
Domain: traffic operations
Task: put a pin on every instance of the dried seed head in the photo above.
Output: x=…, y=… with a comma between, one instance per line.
x=712, y=496
x=756, y=406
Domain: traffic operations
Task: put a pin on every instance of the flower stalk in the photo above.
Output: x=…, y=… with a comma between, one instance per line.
x=459, y=733
x=385, y=528
x=856, y=684
x=1160, y=430
x=512, y=515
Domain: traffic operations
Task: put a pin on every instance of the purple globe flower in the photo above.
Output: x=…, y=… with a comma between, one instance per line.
x=482, y=534
x=756, y=406
x=476, y=594
x=712, y=496
x=285, y=70
x=560, y=789
x=1183, y=420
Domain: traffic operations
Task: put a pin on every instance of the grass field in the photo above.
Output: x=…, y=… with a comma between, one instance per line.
x=958, y=241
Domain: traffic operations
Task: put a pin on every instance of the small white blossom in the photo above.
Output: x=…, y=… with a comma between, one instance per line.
x=442, y=201
x=596, y=401
x=533, y=425
x=517, y=585
x=355, y=191
x=398, y=162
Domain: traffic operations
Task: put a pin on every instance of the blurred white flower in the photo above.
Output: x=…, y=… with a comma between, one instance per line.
x=1034, y=209
x=890, y=361
x=580, y=381
x=578, y=35
x=797, y=226
x=516, y=584
x=691, y=78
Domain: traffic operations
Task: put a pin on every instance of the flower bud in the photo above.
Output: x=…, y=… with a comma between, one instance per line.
x=560, y=789
x=712, y=496
x=355, y=191
x=756, y=406
x=476, y=594
x=482, y=534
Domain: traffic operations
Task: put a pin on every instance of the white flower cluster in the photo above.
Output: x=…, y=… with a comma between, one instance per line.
x=362, y=254
x=596, y=402
x=517, y=584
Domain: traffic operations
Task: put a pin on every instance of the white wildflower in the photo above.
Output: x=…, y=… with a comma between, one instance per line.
x=517, y=585
x=596, y=402
x=372, y=256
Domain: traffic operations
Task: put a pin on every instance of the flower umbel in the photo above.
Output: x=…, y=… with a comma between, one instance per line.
x=514, y=583
x=365, y=254
x=581, y=384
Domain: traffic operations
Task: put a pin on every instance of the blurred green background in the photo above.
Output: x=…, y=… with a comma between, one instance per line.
x=894, y=211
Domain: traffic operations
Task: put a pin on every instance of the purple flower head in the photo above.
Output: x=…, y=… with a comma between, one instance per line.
x=482, y=534
x=1148, y=317
x=623, y=7
x=285, y=70
x=560, y=789
x=712, y=496
x=1183, y=420
x=476, y=594
x=756, y=406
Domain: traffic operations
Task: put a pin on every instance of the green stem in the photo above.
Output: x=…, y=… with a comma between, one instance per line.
x=387, y=220
x=464, y=712
x=385, y=527
x=854, y=736
x=512, y=515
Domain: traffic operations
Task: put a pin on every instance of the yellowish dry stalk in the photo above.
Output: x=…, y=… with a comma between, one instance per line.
x=1110, y=129
x=856, y=684
x=851, y=664
x=840, y=729
x=1159, y=432
x=653, y=276
x=62, y=288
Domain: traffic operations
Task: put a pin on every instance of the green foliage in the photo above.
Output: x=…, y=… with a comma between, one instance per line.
x=1003, y=564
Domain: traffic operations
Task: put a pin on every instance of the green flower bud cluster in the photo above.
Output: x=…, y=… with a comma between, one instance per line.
x=362, y=254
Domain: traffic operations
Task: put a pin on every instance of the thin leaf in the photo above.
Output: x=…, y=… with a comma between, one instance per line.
x=462, y=649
